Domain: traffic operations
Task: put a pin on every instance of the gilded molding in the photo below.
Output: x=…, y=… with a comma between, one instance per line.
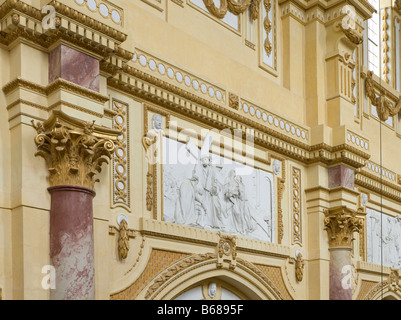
x=385, y=108
x=340, y=224
x=121, y=157
x=74, y=154
x=392, y=283
x=296, y=206
x=59, y=84
x=280, y=224
x=198, y=260
x=172, y=271
x=267, y=25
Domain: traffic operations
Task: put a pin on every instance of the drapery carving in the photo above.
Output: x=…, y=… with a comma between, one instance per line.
x=234, y=7
x=385, y=108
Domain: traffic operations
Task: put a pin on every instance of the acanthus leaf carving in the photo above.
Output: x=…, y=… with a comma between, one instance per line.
x=74, y=155
x=340, y=224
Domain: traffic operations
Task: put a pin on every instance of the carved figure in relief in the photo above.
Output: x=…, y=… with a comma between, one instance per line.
x=157, y=123
x=212, y=290
x=207, y=194
x=186, y=210
x=231, y=192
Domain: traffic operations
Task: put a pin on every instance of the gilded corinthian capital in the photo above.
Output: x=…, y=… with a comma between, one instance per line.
x=340, y=224
x=74, y=150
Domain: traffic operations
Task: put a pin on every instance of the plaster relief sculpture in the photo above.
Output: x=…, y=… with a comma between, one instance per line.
x=212, y=290
x=299, y=267
x=276, y=167
x=383, y=239
x=207, y=191
x=123, y=239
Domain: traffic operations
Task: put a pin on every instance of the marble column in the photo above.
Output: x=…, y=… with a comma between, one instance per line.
x=74, y=151
x=340, y=268
x=340, y=224
x=71, y=242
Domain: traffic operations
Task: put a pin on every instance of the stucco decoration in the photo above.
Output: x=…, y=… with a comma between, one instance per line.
x=340, y=224
x=234, y=7
x=74, y=150
x=385, y=108
x=383, y=239
x=207, y=191
x=299, y=267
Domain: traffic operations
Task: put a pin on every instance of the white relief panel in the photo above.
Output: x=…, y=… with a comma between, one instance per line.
x=383, y=239
x=215, y=193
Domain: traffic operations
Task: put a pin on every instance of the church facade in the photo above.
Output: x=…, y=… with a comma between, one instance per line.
x=200, y=149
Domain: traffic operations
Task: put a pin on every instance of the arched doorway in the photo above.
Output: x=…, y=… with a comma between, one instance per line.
x=194, y=281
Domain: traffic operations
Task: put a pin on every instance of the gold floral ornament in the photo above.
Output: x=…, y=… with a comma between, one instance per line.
x=234, y=7
x=74, y=150
x=123, y=240
x=299, y=267
x=385, y=108
x=340, y=224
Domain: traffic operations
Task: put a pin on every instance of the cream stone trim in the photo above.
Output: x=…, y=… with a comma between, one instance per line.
x=201, y=264
x=180, y=77
x=391, y=284
x=111, y=8
x=373, y=183
x=296, y=206
x=149, y=88
x=196, y=235
x=59, y=84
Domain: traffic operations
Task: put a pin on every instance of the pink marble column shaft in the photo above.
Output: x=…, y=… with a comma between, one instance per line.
x=340, y=277
x=71, y=242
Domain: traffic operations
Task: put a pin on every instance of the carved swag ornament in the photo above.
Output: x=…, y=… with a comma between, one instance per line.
x=385, y=108
x=73, y=155
x=234, y=7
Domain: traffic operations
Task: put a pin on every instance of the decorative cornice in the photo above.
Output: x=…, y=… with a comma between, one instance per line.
x=74, y=154
x=340, y=224
x=20, y=20
x=59, y=84
x=140, y=84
